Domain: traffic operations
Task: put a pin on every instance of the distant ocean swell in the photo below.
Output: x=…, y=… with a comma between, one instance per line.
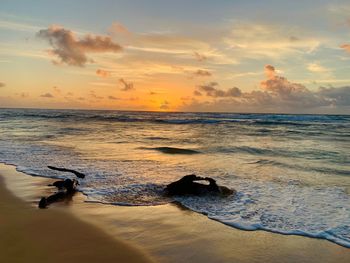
x=177, y=118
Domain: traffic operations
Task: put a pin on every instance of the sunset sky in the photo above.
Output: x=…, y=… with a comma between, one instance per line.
x=159, y=55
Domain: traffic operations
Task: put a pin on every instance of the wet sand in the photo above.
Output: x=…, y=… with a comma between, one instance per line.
x=170, y=233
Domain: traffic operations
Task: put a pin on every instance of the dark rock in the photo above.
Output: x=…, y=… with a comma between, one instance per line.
x=188, y=185
x=66, y=190
x=68, y=184
x=56, y=197
x=43, y=203
x=59, y=196
x=58, y=184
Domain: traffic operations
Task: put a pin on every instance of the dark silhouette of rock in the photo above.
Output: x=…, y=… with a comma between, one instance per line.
x=188, y=185
x=78, y=174
x=43, y=202
x=66, y=190
x=68, y=184
x=58, y=184
x=171, y=150
x=56, y=197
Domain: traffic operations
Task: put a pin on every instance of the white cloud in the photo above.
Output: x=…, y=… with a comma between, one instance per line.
x=317, y=67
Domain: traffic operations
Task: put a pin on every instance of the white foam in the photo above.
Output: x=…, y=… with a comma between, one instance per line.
x=322, y=212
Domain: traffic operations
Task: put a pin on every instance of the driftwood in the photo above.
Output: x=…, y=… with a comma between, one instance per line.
x=78, y=174
x=188, y=185
x=56, y=197
x=68, y=185
x=66, y=190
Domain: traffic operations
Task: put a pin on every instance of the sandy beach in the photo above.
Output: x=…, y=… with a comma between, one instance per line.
x=168, y=233
x=32, y=235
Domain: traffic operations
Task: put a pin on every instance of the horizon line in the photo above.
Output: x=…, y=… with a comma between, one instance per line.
x=154, y=111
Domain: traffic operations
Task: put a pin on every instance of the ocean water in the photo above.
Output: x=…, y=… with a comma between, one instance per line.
x=291, y=172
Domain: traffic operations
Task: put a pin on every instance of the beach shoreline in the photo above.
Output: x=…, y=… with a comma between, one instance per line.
x=171, y=234
x=28, y=234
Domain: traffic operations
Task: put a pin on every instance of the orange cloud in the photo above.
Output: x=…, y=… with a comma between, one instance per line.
x=164, y=105
x=112, y=98
x=103, y=73
x=56, y=89
x=199, y=57
x=197, y=93
x=280, y=85
x=277, y=94
x=270, y=71
x=47, y=95
x=202, y=73
x=126, y=85
x=118, y=28
x=211, y=91
x=73, y=51
x=94, y=96
x=346, y=47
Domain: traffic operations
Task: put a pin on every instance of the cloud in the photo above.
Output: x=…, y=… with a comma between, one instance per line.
x=211, y=91
x=164, y=105
x=56, y=90
x=197, y=93
x=279, y=85
x=2, y=84
x=73, y=51
x=47, y=95
x=276, y=94
x=317, y=68
x=202, y=73
x=118, y=28
x=346, y=47
x=112, y=98
x=126, y=85
x=94, y=96
x=199, y=57
x=17, y=26
x=249, y=40
x=103, y=73
x=280, y=91
x=339, y=96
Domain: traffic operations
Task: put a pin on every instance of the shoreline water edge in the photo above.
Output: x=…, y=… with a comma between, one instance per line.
x=169, y=233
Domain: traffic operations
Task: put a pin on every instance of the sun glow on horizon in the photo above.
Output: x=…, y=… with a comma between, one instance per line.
x=174, y=64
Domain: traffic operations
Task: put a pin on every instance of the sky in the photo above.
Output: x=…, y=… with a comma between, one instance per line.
x=159, y=55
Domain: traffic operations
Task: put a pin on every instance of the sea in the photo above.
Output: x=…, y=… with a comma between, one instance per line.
x=291, y=172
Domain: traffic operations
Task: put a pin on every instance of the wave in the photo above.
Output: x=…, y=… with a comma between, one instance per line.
x=297, y=212
x=323, y=170
x=171, y=150
x=293, y=215
x=149, y=194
